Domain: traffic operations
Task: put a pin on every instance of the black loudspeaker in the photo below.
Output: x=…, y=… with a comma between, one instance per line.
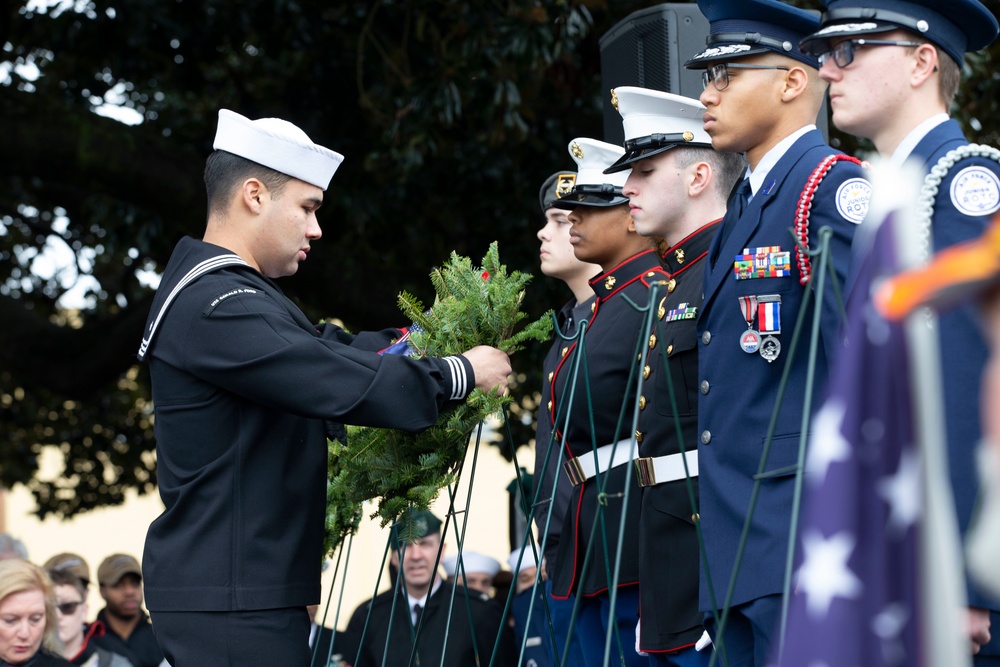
x=648, y=48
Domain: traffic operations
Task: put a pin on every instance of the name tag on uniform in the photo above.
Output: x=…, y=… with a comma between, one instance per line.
x=683, y=311
x=763, y=262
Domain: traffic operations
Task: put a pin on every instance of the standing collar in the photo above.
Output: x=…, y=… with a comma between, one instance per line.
x=915, y=136
x=608, y=283
x=771, y=158
x=689, y=251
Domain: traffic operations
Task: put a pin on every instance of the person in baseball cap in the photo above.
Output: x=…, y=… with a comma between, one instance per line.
x=114, y=567
x=71, y=564
x=128, y=631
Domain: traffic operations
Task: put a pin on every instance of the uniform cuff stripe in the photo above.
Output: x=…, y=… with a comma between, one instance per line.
x=459, y=379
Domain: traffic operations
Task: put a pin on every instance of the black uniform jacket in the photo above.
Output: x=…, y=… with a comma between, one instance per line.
x=546, y=449
x=242, y=384
x=668, y=543
x=486, y=625
x=611, y=344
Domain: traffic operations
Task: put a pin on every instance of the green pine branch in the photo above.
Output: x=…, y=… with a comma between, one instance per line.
x=473, y=306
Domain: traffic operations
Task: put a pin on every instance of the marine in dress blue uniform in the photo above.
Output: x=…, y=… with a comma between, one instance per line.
x=754, y=295
x=607, y=355
x=668, y=543
x=968, y=186
x=656, y=122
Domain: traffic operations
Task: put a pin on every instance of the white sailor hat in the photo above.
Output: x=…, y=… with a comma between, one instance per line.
x=593, y=187
x=528, y=560
x=278, y=145
x=740, y=28
x=655, y=122
x=956, y=26
x=472, y=561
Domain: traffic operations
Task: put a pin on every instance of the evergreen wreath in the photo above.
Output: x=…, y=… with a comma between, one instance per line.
x=473, y=306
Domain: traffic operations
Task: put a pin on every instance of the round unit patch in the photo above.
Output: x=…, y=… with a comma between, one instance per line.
x=852, y=199
x=976, y=191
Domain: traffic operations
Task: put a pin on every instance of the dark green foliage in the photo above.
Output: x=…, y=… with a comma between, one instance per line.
x=474, y=306
x=450, y=114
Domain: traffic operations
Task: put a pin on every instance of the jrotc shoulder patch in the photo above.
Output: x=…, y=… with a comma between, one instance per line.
x=976, y=191
x=852, y=199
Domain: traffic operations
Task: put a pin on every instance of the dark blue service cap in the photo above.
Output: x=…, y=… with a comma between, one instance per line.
x=739, y=28
x=956, y=26
x=556, y=186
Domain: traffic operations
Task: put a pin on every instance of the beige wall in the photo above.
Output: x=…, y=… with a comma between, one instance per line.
x=122, y=529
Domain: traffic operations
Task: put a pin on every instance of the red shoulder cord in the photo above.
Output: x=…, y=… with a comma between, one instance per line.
x=804, y=209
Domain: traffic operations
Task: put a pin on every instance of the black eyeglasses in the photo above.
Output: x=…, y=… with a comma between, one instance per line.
x=719, y=74
x=67, y=608
x=843, y=53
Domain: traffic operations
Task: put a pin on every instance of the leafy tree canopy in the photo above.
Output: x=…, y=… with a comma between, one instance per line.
x=450, y=115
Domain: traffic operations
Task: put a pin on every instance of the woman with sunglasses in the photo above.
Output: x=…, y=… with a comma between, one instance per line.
x=74, y=633
x=27, y=616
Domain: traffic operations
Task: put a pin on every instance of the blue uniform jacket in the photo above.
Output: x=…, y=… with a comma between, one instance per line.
x=740, y=389
x=963, y=349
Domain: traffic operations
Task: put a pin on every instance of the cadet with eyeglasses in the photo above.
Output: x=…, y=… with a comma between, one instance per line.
x=912, y=51
x=762, y=97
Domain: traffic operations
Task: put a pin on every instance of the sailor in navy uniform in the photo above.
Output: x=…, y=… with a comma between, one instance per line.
x=591, y=411
x=878, y=44
x=245, y=386
x=677, y=190
x=762, y=96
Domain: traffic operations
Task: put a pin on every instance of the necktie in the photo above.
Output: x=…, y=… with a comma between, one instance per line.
x=737, y=204
x=742, y=197
x=417, y=610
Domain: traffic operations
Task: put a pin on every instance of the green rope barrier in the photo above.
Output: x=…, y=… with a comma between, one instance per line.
x=761, y=473
x=326, y=610
x=702, y=552
x=563, y=411
x=823, y=254
x=645, y=331
x=527, y=539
